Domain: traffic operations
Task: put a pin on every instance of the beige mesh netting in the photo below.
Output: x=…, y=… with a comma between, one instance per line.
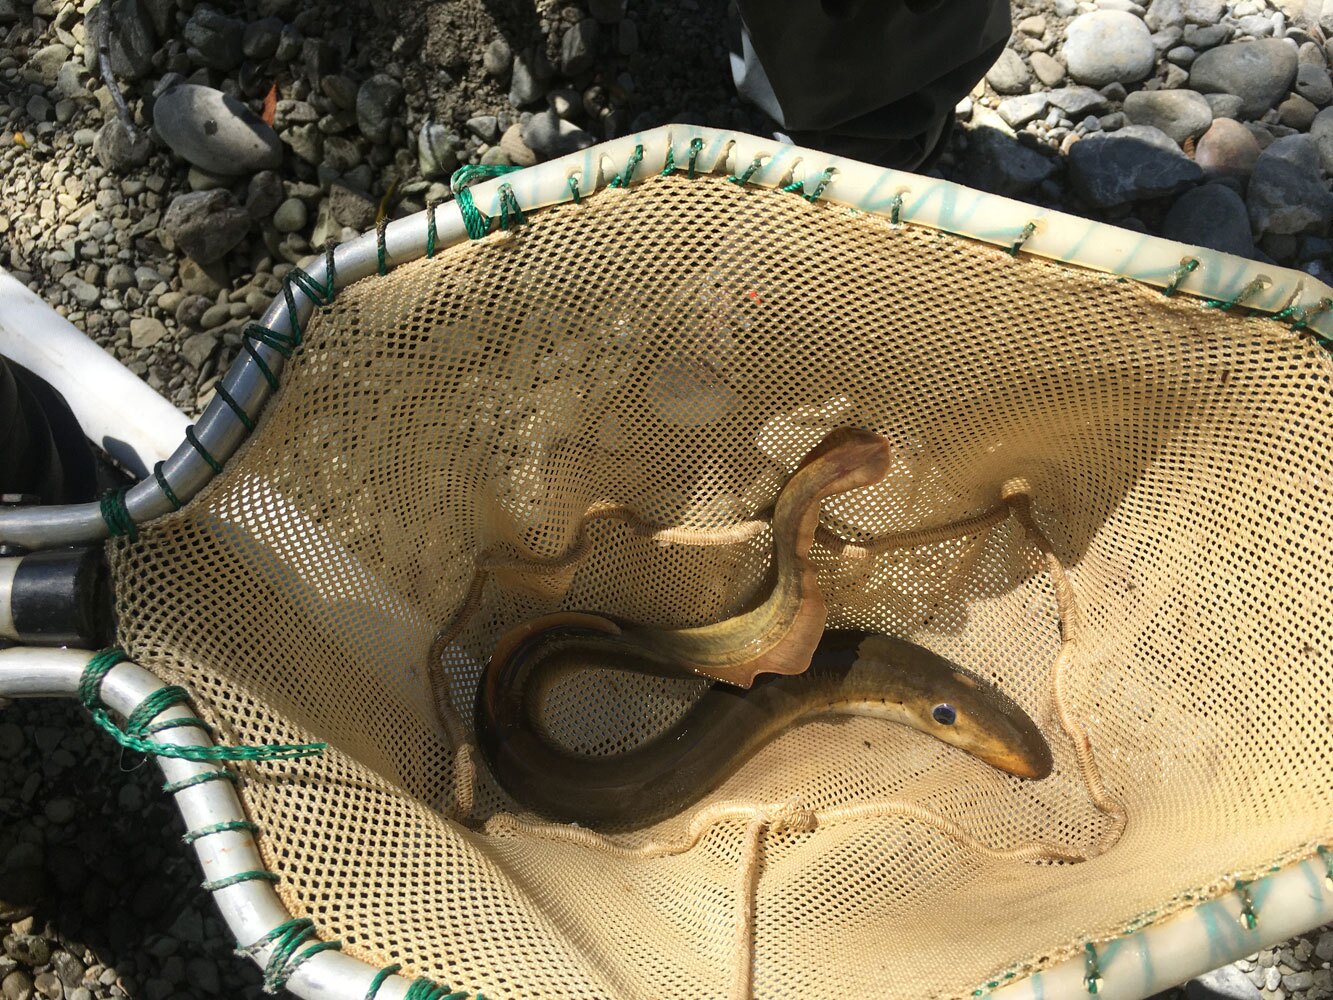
x=593, y=413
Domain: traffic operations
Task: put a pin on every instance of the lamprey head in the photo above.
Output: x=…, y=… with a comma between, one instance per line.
x=943, y=700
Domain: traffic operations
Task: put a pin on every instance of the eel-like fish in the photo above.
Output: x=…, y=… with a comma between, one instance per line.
x=850, y=672
x=814, y=672
x=779, y=633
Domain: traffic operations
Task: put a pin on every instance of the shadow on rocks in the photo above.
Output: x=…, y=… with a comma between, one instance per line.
x=95, y=884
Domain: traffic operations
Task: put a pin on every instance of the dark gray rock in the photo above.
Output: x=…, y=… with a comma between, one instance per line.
x=567, y=103
x=214, y=131
x=1224, y=105
x=1321, y=131
x=1206, y=36
x=1181, y=114
x=485, y=127
x=1226, y=983
x=1287, y=194
x=528, y=78
x=1298, y=981
x=1255, y=25
x=1313, y=83
x=352, y=208
x=318, y=58
x=1018, y=111
x=377, y=104
x=578, y=47
x=206, y=225
x=1131, y=164
x=1108, y=45
x=306, y=141
x=548, y=135
x=261, y=38
x=341, y=155
x=163, y=15
x=12, y=740
x=1297, y=113
x=1260, y=73
x=198, y=348
x=1001, y=164
x=131, y=40
x=607, y=11
x=264, y=194
x=290, y=44
x=27, y=949
x=69, y=969
x=291, y=216
x=497, y=59
x=120, y=150
x=1212, y=216
x=1164, y=14
x=1078, y=102
x=437, y=152
x=339, y=89
x=1009, y=75
x=214, y=40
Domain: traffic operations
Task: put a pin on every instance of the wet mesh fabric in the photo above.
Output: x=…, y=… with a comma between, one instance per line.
x=593, y=412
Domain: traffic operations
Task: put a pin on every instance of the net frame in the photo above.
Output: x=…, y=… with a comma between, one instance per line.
x=902, y=198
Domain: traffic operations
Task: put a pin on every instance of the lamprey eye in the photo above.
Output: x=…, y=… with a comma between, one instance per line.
x=944, y=714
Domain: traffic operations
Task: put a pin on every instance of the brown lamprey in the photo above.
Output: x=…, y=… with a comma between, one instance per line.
x=850, y=672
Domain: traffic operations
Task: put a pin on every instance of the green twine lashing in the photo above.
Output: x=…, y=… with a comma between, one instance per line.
x=320, y=295
x=1023, y=237
x=798, y=187
x=896, y=209
x=285, y=959
x=381, y=252
x=1187, y=267
x=1308, y=315
x=1248, y=918
x=696, y=147
x=510, y=212
x=476, y=222
x=213, y=885
x=1327, y=857
x=246, y=420
x=1092, y=973
x=744, y=176
x=139, y=725
x=623, y=178
x=283, y=343
x=379, y=980
x=203, y=777
x=165, y=486
x=229, y=826
x=573, y=183
x=117, y=515
x=204, y=453
x=424, y=989
x=1236, y=299
x=670, y=164
x=430, y=227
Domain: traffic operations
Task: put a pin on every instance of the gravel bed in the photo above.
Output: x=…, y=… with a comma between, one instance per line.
x=257, y=131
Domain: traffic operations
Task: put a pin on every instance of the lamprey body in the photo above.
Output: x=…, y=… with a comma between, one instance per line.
x=850, y=672
x=778, y=634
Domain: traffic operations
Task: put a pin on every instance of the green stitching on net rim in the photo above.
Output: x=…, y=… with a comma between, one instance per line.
x=476, y=222
x=135, y=736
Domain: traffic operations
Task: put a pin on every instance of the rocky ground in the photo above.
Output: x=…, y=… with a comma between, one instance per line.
x=161, y=235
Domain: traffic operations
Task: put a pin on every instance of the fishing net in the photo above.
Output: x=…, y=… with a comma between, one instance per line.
x=1111, y=502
